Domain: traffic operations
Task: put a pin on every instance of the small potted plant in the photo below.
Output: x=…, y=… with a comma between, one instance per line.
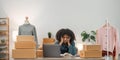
x=49, y=34
x=88, y=36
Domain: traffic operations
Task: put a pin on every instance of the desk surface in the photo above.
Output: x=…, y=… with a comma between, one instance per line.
x=64, y=58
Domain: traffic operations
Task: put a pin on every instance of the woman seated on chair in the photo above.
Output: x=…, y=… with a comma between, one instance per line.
x=65, y=38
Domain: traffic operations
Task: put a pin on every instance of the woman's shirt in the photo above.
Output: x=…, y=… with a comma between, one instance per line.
x=64, y=48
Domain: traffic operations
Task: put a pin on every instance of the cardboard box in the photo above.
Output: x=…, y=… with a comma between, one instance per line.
x=39, y=53
x=92, y=47
x=24, y=53
x=25, y=44
x=25, y=38
x=90, y=54
x=48, y=41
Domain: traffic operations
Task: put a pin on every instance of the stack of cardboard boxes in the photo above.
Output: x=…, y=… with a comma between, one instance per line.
x=39, y=52
x=25, y=47
x=91, y=51
x=48, y=40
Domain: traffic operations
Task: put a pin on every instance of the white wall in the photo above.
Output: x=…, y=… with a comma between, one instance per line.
x=52, y=15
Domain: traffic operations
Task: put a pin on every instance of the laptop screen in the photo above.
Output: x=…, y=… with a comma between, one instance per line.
x=51, y=50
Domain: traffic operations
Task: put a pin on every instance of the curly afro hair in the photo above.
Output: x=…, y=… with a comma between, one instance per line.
x=62, y=32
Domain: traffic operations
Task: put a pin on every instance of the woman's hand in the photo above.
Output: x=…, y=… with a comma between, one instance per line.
x=68, y=42
x=61, y=41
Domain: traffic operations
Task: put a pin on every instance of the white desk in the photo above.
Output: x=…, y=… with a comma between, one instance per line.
x=64, y=58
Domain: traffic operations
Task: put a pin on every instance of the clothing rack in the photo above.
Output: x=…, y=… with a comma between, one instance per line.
x=107, y=37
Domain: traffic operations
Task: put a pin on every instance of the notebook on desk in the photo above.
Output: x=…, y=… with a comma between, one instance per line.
x=51, y=50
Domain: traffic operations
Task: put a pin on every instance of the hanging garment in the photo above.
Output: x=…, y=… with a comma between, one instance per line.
x=28, y=29
x=110, y=33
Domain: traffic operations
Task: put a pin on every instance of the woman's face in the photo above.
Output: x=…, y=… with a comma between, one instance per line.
x=66, y=38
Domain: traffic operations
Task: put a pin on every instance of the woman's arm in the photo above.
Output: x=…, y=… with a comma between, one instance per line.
x=72, y=48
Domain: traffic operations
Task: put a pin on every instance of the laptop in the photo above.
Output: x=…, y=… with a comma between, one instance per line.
x=51, y=50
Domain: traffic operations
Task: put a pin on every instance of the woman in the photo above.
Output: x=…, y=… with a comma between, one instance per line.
x=65, y=38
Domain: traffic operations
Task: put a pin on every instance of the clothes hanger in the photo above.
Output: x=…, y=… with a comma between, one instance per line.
x=107, y=24
x=26, y=20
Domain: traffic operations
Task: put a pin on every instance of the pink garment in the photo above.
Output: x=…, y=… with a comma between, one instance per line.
x=113, y=40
